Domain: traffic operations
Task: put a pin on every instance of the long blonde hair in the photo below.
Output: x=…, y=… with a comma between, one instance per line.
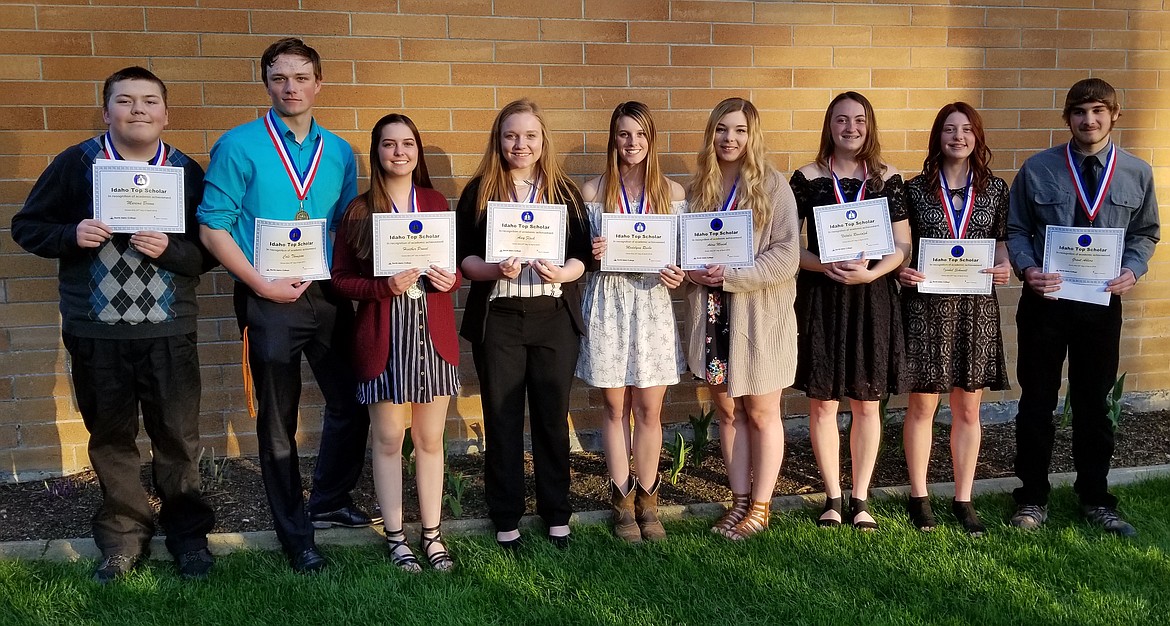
x=656, y=185
x=495, y=184
x=706, y=188
x=871, y=148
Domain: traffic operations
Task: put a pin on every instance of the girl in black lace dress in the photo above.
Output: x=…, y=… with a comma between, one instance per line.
x=953, y=341
x=850, y=339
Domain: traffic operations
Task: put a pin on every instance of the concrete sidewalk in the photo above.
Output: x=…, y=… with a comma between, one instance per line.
x=225, y=543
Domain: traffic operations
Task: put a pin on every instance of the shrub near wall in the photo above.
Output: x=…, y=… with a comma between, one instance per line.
x=451, y=63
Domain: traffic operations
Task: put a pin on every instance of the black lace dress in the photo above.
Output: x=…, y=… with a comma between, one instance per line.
x=850, y=340
x=954, y=340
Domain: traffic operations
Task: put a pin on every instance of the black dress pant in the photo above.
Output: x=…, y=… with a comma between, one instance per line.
x=529, y=350
x=112, y=379
x=1090, y=336
x=321, y=327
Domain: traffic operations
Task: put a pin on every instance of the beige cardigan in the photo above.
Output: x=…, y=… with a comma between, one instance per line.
x=760, y=305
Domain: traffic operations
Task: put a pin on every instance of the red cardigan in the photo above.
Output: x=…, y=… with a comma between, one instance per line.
x=354, y=278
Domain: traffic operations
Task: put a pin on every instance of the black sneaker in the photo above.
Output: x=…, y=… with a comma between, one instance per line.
x=115, y=566
x=1108, y=519
x=1030, y=516
x=346, y=517
x=194, y=565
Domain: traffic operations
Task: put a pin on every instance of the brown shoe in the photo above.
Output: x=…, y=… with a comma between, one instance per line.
x=625, y=526
x=646, y=508
x=740, y=504
x=755, y=522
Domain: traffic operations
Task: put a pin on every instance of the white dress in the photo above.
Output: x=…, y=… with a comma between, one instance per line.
x=631, y=334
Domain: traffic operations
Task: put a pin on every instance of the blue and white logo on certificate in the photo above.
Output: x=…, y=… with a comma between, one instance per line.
x=1084, y=241
x=851, y=215
x=640, y=227
x=416, y=227
x=527, y=217
x=294, y=234
x=141, y=180
x=957, y=252
x=716, y=224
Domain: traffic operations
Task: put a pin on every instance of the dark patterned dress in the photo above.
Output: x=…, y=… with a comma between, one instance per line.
x=954, y=340
x=849, y=342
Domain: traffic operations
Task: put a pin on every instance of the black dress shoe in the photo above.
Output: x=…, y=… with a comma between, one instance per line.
x=195, y=564
x=115, y=566
x=511, y=546
x=561, y=542
x=308, y=562
x=346, y=517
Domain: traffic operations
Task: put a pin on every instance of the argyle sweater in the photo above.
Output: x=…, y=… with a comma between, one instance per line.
x=112, y=291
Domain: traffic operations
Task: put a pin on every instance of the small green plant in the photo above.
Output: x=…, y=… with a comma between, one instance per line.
x=1066, y=414
x=213, y=472
x=700, y=434
x=678, y=449
x=62, y=488
x=408, y=452
x=456, y=484
x=1112, y=404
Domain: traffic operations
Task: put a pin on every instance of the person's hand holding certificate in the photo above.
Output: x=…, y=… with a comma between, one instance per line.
x=638, y=242
x=717, y=238
x=854, y=230
x=955, y=266
x=404, y=241
x=290, y=249
x=526, y=231
x=1086, y=259
x=130, y=197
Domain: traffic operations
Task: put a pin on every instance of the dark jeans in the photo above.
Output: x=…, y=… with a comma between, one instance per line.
x=1090, y=336
x=321, y=327
x=529, y=350
x=112, y=379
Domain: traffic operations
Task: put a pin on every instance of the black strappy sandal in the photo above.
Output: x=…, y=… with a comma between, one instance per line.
x=857, y=507
x=408, y=562
x=831, y=504
x=440, y=559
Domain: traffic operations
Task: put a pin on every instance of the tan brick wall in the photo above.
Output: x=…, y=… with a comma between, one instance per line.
x=451, y=63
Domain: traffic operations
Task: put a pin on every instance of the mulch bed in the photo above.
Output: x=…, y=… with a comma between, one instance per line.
x=62, y=507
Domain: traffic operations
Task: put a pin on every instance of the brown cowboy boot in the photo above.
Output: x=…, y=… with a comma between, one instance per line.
x=646, y=508
x=624, y=524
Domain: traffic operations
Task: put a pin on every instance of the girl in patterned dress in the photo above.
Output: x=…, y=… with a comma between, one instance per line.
x=953, y=341
x=632, y=349
x=406, y=347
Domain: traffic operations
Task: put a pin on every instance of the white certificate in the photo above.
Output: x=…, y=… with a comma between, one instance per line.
x=404, y=241
x=638, y=243
x=292, y=249
x=1085, y=258
x=719, y=237
x=854, y=230
x=129, y=197
x=955, y=266
x=526, y=231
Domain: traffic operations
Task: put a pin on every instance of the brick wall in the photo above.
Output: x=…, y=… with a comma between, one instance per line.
x=451, y=63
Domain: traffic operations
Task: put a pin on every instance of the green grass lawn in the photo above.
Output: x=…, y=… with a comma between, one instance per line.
x=1067, y=573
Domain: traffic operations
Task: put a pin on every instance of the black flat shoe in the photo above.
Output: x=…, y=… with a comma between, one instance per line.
x=833, y=505
x=561, y=542
x=968, y=518
x=511, y=546
x=856, y=507
x=345, y=517
x=310, y=561
x=918, y=507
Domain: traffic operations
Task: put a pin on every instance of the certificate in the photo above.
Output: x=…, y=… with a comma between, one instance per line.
x=293, y=249
x=526, y=231
x=854, y=230
x=404, y=241
x=954, y=266
x=719, y=237
x=129, y=197
x=638, y=243
x=1085, y=258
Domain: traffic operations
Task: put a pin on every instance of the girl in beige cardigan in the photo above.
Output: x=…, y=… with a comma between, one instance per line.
x=740, y=321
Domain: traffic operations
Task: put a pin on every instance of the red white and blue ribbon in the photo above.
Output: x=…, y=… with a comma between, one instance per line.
x=413, y=208
x=160, y=155
x=957, y=219
x=626, y=207
x=839, y=193
x=732, y=200
x=301, y=181
x=1091, y=206
x=531, y=192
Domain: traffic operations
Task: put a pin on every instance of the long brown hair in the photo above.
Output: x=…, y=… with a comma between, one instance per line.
x=656, y=185
x=706, y=188
x=359, y=232
x=871, y=148
x=494, y=181
x=980, y=159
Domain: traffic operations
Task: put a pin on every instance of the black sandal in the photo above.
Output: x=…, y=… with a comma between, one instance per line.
x=831, y=504
x=440, y=559
x=968, y=518
x=406, y=562
x=857, y=507
x=920, y=514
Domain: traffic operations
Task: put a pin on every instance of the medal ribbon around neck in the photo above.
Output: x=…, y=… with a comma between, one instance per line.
x=957, y=220
x=160, y=155
x=301, y=182
x=531, y=192
x=626, y=207
x=839, y=193
x=1091, y=208
x=413, y=208
x=732, y=200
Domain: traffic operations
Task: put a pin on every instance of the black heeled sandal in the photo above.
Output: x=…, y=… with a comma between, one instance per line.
x=857, y=507
x=408, y=562
x=440, y=559
x=834, y=505
x=968, y=518
x=918, y=507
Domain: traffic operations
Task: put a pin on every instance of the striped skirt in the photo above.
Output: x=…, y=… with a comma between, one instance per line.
x=415, y=372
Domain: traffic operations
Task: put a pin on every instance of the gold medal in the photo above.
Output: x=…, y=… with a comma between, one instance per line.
x=302, y=215
x=414, y=291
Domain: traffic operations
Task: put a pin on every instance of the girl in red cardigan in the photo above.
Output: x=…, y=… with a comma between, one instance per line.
x=407, y=350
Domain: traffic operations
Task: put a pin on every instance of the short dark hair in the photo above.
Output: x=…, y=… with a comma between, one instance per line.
x=133, y=72
x=1090, y=90
x=293, y=46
